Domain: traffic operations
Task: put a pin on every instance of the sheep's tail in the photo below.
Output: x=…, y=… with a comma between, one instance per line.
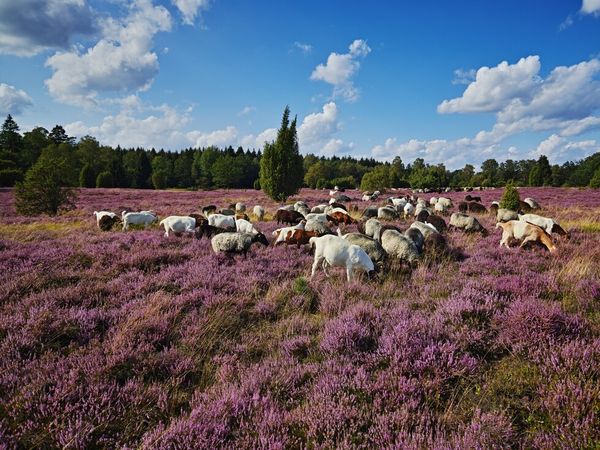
x=500, y=225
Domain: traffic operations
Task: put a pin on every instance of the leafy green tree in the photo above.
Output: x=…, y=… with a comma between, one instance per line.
x=510, y=198
x=9, y=176
x=34, y=142
x=105, y=180
x=87, y=177
x=163, y=165
x=205, y=162
x=377, y=179
x=595, y=181
x=281, y=169
x=43, y=191
x=489, y=170
x=159, y=180
x=541, y=173
x=58, y=135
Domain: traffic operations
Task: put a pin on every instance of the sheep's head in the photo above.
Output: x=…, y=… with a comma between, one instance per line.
x=261, y=238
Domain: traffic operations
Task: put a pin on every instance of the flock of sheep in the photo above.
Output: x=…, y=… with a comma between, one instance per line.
x=375, y=243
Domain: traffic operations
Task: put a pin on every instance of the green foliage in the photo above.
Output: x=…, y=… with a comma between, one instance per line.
x=105, y=180
x=510, y=198
x=377, y=179
x=159, y=180
x=8, y=177
x=256, y=184
x=281, y=166
x=87, y=177
x=489, y=171
x=348, y=182
x=44, y=191
x=595, y=181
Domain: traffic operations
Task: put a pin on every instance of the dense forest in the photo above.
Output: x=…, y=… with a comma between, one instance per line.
x=87, y=163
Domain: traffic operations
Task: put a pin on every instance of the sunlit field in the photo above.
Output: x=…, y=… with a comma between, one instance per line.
x=130, y=339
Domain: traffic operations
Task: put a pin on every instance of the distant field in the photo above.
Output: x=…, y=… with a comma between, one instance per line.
x=129, y=339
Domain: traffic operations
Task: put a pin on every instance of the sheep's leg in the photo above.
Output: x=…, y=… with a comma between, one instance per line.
x=314, y=266
x=526, y=240
x=325, y=267
x=349, y=273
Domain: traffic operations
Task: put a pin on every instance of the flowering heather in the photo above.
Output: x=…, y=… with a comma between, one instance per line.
x=133, y=340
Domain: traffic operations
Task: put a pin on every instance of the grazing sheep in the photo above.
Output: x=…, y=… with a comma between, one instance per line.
x=440, y=208
x=244, y=226
x=287, y=207
x=422, y=216
x=240, y=207
x=208, y=210
x=337, y=205
x=504, y=215
x=370, y=211
x=227, y=212
x=340, y=216
x=417, y=237
x=433, y=201
x=335, y=251
x=472, y=198
x=399, y=247
x=233, y=243
x=299, y=204
x=409, y=210
x=425, y=228
x=209, y=230
x=525, y=232
x=476, y=207
x=371, y=227
x=435, y=247
x=319, y=209
x=387, y=213
x=138, y=218
x=438, y=222
x=547, y=224
x=494, y=208
x=532, y=203
x=468, y=224
x=259, y=212
x=445, y=201
x=524, y=207
x=100, y=214
x=342, y=198
x=289, y=217
x=321, y=217
x=397, y=202
x=304, y=211
x=463, y=207
x=372, y=247
x=179, y=224
x=319, y=227
x=222, y=221
x=107, y=222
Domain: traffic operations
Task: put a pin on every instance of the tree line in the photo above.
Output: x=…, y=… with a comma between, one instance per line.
x=87, y=163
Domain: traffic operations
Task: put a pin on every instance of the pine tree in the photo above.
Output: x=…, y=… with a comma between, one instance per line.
x=281, y=166
x=510, y=199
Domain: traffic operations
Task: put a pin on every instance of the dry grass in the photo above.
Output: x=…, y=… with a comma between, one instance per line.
x=28, y=232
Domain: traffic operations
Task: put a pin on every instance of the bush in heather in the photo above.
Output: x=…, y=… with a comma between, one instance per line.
x=510, y=198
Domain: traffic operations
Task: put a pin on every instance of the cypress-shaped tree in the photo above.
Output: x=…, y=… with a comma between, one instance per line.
x=87, y=177
x=281, y=166
x=510, y=198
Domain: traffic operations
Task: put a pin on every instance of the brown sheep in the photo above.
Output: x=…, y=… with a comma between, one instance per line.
x=339, y=217
x=288, y=217
x=438, y=222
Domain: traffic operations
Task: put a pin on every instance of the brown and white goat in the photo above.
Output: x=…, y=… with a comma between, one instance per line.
x=525, y=232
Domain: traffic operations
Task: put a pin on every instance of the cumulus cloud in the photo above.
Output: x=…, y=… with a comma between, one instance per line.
x=28, y=27
x=247, y=110
x=462, y=76
x=219, y=138
x=13, y=100
x=341, y=68
x=591, y=7
x=317, y=128
x=336, y=146
x=190, y=9
x=252, y=141
x=495, y=87
x=558, y=149
x=121, y=61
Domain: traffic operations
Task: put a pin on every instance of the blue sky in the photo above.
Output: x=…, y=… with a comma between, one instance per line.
x=453, y=82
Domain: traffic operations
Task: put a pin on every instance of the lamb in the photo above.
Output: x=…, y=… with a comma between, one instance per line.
x=259, y=212
x=137, y=218
x=425, y=228
x=387, y=213
x=222, y=221
x=100, y=214
x=504, y=215
x=244, y=226
x=399, y=247
x=532, y=203
x=466, y=223
x=232, y=243
x=438, y=222
x=179, y=224
x=547, y=224
x=525, y=232
x=372, y=247
x=409, y=210
x=335, y=251
x=417, y=237
x=289, y=217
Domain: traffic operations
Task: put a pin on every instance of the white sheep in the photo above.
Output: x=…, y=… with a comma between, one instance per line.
x=243, y=226
x=532, y=203
x=236, y=242
x=399, y=246
x=240, y=207
x=259, y=212
x=318, y=209
x=335, y=251
x=409, y=209
x=445, y=201
x=372, y=226
x=504, y=215
x=549, y=225
x=426, y=229
x=387, y=213
x=178, y=224
x=100, y=214
x=137, y=218
x=440, y=207
x=433, y=201
x=317, y=217
x=221, y=221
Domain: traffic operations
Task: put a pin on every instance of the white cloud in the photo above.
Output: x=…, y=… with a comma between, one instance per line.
x=317, y=128
x=13, y=100
x=559, y=150
x=590, y=7
x=219, y=138
x=304, y=48
x=190, y=8
x=462, y=76
x=339, y=70
x=336, y=146
x=28, y=27
x=247, y=110
x=494, y=88
x=122, y=61
x=252, y=141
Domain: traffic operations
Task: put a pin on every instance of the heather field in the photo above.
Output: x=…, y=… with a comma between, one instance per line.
x=133, y=340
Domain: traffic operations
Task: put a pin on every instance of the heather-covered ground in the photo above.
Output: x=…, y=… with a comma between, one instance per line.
x=113, y=340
